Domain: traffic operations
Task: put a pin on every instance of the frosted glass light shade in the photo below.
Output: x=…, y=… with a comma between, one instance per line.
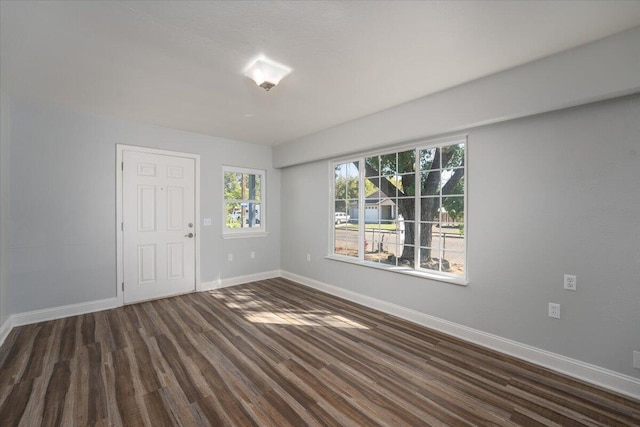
x=266, y=73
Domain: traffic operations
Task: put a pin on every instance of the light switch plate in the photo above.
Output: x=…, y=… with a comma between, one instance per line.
x=206, y=221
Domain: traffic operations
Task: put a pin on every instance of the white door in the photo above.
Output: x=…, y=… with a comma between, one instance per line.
x=158, y=211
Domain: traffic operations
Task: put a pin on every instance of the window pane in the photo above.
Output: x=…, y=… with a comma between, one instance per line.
x=407, y=184
x=232, y=186
x=452, y=181
x=372, y=166
x=340, y=183
x=427, y=158
x=346, y=209
x=346, y=242
x=388, y=164
x=352, y=191
x=371, y=187
x=250, y=187
x=430, y=183
x=352, y=171
x=430, y=258
x=406, y=208
x=388, y=187
x=258, y=187
x=452, y=209
x=429, y=233
x=233, y=215
x=405, y=256
x=251, y=215
x=452, y=156
x=406, y=161
x=430, y=209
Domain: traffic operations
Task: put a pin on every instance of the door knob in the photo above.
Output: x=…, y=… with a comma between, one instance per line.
x=190, y=225
x=190, y=235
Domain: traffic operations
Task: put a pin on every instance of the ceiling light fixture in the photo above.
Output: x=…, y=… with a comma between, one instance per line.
x=266, y=73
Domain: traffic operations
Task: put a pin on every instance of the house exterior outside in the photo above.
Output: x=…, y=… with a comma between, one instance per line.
x=378, y=208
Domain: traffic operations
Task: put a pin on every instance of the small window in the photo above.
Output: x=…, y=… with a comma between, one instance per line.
x=244, y=195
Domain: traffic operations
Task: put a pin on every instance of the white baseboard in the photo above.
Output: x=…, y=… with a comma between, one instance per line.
x=208, y=286
x=606, y=378
x=232, y=281
x=36, y=316
x=239, y=280
x=43, y=315
x=5, y=328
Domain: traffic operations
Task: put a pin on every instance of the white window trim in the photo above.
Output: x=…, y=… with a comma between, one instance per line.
x=239, y=233
x=418, y=272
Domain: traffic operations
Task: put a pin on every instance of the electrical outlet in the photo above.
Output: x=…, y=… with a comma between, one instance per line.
x=570, y=282
x=230, y=257
x=636, y=359
x=309, y=257
x=554, y=310
x=252, y=254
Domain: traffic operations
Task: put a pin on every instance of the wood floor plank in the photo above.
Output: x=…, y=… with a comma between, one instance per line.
x=275, y=353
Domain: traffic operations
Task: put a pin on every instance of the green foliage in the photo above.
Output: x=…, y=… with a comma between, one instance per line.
x=234, y=183
x=232, y=186
x=346, y=188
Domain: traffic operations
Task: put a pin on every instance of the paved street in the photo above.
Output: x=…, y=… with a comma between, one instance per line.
x=392, y=242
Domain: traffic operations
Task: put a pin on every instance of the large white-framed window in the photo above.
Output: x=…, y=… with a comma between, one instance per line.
x=244, y=213
x=403, y=210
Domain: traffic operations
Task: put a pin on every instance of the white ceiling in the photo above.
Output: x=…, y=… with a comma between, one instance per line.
x=179, y=64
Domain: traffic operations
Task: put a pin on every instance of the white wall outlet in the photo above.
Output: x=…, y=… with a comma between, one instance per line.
x=206, y=221
x=252, y=254
x=230, y=257
x=570, y=282
x=636, y=359
x=554, y=310
x=309, y=257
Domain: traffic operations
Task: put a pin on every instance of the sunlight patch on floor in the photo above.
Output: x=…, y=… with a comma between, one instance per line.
x=302, y=319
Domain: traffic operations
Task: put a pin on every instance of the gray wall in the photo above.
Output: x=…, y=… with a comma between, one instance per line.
x=63, y=204
x=5, y=308
x=547, y=195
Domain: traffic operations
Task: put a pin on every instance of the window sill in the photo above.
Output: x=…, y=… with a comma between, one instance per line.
x=401, y=270
x=245, y=235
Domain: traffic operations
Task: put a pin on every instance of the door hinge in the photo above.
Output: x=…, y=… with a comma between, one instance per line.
x=122, y=226
x=122, y=286
x=122, y=166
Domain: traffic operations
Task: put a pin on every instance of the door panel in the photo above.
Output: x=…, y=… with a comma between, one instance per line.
x=175, y=266
x=146, y=263
x=146, y=208
x=158, y=210
x=175, y=208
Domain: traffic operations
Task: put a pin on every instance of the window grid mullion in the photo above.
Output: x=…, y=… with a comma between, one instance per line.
x=440, y=214
x=417, y=230
x=361, y=207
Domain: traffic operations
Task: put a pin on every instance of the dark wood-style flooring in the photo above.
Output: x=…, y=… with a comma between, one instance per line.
x=274, y=353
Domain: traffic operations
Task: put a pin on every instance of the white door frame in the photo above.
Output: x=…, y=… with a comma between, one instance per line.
x=120, y=148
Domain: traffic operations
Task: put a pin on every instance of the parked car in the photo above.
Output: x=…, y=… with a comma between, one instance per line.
x=341, y=217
